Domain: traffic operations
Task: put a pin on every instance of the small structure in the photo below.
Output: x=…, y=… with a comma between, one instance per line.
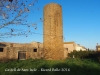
x=98, y=47
x=70, y=46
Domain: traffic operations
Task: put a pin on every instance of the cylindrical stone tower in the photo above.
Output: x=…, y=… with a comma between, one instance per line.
x=53, y=33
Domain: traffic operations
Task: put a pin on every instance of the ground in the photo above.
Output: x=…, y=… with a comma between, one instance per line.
x=50, y=67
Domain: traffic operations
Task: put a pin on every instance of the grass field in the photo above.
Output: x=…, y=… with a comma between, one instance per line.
x=47, y=67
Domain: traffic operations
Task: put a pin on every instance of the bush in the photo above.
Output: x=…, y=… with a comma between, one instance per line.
x=94, y=55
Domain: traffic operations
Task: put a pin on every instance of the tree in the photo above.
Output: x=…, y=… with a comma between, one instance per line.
x=88, y=49
x=13, y=14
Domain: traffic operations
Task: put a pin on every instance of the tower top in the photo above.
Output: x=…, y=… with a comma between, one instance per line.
x=52, y=3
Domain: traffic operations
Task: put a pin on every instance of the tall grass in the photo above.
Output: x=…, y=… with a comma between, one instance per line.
x=75, y=67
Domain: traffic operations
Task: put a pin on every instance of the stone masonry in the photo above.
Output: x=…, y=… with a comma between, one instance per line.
x=52, y=47
x=53, y=34
x=32, y=50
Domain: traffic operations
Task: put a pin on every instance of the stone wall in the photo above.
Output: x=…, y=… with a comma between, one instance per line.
x=52, y=48
x=12, y=52
x=53, y=34
x=32, y=44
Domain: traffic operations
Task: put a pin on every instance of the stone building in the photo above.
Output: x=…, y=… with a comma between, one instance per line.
x=98, y=47
x=32, y=50
x=53, y=33
x=80, y=48
x=52, y=47
x=70, y=46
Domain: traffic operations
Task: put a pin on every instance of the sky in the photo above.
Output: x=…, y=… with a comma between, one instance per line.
x=81, y=22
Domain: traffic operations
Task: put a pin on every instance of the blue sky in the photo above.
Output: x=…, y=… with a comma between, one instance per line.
x=81, y=22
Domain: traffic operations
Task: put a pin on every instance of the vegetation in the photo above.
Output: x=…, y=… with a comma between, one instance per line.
x=93, y=55
x=67, y=67
x=84, y=63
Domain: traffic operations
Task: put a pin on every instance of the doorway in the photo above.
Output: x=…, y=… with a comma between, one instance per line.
x=22, y=55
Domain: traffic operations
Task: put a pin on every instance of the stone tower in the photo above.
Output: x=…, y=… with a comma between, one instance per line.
x=53, y=33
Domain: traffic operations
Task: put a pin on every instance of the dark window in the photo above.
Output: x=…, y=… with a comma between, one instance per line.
x=35, y=50
x=1, y=49
x=67, y=49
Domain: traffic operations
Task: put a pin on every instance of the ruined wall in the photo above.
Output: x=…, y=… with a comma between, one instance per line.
x=12, y=52
x=53, y=34
x=32, y=44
